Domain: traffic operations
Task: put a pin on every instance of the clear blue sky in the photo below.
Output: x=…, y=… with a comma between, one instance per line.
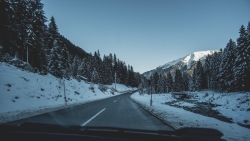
x=149, y=33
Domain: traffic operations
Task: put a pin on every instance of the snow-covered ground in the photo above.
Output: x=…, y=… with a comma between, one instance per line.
x=233, y=105
x=24, y=94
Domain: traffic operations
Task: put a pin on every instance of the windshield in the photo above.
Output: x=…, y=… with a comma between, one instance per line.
x=135, y=64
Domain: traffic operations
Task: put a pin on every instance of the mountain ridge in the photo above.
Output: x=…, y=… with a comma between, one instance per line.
x=185, y=63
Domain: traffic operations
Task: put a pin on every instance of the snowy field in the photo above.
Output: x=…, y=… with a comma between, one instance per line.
x=233, y=105
x=24, y=94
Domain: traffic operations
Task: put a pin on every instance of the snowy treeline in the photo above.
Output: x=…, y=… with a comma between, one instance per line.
x=25, y=35
x=227, y=70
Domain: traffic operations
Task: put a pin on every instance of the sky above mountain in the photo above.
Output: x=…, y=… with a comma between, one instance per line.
x=149, y=33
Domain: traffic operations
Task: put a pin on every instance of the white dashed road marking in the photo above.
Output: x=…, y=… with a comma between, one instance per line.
x=92, y=117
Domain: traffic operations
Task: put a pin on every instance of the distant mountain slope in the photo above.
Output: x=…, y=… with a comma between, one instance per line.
x=184, y=64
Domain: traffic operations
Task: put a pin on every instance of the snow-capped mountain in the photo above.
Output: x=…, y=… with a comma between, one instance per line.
x=184, y=64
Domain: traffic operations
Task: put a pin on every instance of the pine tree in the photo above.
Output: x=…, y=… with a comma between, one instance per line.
x=103, y=71
x=21, y=26
x=74, y=67
x=140, y=88
x=214, y=70
x=97, y=62
x=169, y=82
x=248, y=54
x=152, y=85
x=8, y=28
x=192, y=83
x=55, y=62
x=53, y=30
x=178, y=81
x=114, y=66
x=89, y=68
x=131, y=77
x=111, y=74
x=95, y=77
x=124, y=73
x=165, y=83
x=198, y=76
x=60, y=48
x=36, y=31
x=65, y=60
x=115, y=61
x=52, y=36
x=161, y=84
x=146, y=84
x=226, y=77
x=185, y=81
x=138, y=79
x=155, y=81
x=242, y=61
x=41, y=59
x=82, y=68
x=207, y=71
x=107, y=70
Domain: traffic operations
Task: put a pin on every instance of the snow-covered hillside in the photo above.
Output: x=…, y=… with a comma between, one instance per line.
x=176, y=112
x=188, y=61
x=25, y=94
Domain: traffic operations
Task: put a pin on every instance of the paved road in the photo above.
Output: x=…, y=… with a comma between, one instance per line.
x=118, y=111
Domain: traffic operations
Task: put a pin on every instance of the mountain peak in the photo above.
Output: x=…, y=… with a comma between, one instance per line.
x=196, y=56
x=183, y=63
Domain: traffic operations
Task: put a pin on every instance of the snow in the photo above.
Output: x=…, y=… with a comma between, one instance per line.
x=199, y=55
x=169, y=64
x=187, y=60
x=232, y=105
x=184, y=104
x=178, y=117
x=25, y=94
x=196, y=56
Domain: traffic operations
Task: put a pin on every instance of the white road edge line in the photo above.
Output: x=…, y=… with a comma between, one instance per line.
x=92, y=117
x=115, y=101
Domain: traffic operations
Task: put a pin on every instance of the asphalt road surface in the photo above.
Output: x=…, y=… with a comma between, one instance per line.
x=117, y=111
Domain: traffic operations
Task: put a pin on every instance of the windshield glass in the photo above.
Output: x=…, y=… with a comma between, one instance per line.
x=136, y=64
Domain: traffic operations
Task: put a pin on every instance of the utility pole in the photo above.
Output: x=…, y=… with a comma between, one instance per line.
x=27, y=54
x=64, y=92
x=115, y=80
x=151, y=91
x=151, y=101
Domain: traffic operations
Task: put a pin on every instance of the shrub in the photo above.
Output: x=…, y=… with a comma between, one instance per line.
x=91, y=87
x=102, y=87
x=9, y=85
